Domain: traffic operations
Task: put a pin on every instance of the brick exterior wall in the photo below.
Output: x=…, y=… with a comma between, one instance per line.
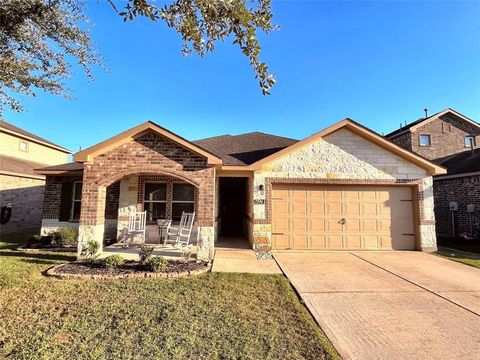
x=26, y=197
x=447, y=135
x=148, y=154
x=465, y=190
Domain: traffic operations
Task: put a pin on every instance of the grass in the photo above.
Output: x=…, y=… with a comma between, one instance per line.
x=465, y=257
x=216, y=316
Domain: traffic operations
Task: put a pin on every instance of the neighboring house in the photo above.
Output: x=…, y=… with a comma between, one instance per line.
x=449, y=139
x=345, y=187
x=20, y=187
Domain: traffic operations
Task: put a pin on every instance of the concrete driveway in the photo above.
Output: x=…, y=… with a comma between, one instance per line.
x=390, y=305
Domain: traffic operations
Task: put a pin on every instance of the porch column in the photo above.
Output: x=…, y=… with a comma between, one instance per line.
x=92, y=215
x=206, y=217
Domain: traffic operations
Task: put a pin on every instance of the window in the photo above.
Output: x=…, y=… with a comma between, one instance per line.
x=469, y=141
x=183, y=200
x=76, y=200
x=425, y=140
x=155, y=200
x=23, y=146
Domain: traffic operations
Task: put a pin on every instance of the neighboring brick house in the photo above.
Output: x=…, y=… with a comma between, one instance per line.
x=21, y=152
x=449, y=139
x=345, y=187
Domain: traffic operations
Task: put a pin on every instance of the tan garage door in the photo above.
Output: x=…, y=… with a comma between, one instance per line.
x=342, y=217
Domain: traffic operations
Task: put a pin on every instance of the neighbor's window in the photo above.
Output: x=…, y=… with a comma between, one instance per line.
x=155, y=200
x=23, y=145
x=425, y=140
x=183, y=200
x=469, y=141
x=76, y=200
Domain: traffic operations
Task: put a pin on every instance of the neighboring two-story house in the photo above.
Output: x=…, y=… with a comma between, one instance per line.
x=21, y=189
x=451, y=140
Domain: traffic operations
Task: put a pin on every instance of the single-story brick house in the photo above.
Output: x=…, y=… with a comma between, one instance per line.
x=345, y=187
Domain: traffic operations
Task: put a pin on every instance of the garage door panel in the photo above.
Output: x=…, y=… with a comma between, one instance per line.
x=299, y=241
x=309, y=217
x=334, y=208
x=370, y=242
x=316, y=208
x=280, y=241
x=281, y=207
x=281, y=224
x=317, y=224
x=299, y=224
x=335, y=241
x=353, y=241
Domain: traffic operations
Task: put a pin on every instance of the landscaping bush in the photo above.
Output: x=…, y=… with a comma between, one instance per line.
x=113, y=261
x=92, y=249
x=157, y=264
x=66, y=236
x=146, y=252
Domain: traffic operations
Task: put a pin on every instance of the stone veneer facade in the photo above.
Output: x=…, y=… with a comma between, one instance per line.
x=342, y=158
x=148, y=154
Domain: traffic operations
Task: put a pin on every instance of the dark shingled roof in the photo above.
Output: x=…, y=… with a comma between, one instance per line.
x=8, y=126
x=244, y=149
x=19, y=166
x=463, y=162
x=238, y=150
x=408, y=126
x=73, y=166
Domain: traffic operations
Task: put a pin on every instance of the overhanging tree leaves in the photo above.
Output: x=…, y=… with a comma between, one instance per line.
x=202, y=22
x=38, y=36
x=36, y=39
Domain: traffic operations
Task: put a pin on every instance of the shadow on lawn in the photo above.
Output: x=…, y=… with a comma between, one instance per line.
x=39, y=257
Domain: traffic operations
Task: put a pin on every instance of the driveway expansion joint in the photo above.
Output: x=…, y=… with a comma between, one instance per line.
x=416, y=284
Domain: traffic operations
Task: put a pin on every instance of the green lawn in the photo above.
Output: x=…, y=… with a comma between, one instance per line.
x=216, y=316
x=465, y=257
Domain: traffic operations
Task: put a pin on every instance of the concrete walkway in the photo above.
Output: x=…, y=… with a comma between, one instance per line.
x=242, y=261
x=390, y=305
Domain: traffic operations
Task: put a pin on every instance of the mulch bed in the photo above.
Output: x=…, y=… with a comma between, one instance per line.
x=130, y=269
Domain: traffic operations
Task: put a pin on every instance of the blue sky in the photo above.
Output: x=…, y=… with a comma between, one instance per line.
x=379, y=63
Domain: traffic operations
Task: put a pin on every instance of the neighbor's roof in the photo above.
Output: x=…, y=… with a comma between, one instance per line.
x=12, y=129
x=244, y=149
x=462, y=163
x=425, y=120
x=15, y=166
x=72, y=166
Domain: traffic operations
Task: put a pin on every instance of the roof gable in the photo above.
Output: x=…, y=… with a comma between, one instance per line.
x=363, y=132
x=129, y=135
x=423, y=121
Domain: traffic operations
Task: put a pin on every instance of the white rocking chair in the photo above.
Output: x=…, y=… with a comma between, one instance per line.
x=137, y=222
x=180, y=236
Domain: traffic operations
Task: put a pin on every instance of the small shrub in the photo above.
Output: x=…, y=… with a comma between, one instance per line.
x=66, y=236
x=157, y=264
x=146, y=252
x=113, y=261
x=92, y=249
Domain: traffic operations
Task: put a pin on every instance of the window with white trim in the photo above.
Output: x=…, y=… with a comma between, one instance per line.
x=155, y=200
x=469, y=141
x=183, y=200
x=76, y=200
x=23, y=145
x=424, y=140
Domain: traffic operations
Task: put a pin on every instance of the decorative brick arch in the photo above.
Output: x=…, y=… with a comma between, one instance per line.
x=147, y=171
x=148, y=154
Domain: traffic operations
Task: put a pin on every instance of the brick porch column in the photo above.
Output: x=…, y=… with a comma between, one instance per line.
x=206, y=217
x=92, y=215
